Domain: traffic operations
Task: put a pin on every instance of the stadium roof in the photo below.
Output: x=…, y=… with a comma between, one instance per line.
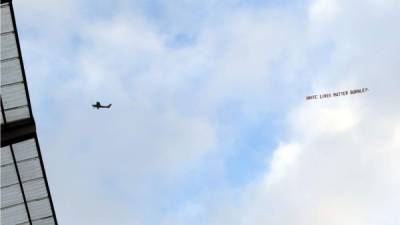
x=25, y=195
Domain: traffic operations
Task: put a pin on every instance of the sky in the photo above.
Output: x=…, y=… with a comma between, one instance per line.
x=209, y=122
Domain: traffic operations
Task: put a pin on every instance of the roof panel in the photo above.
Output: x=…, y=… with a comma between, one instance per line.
x=11, y=71
x=39, y=209
x=6, y=22
x=11, y=195
x=25, y=150
x=8, y=175
x=30, y=169
x=14, y=215
x=35, y=189
x=6, y=157
x=17, y=114
x=8, y=46
x=13, y=96
x=47, y=221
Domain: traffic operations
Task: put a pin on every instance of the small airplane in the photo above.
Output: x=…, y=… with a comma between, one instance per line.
x=98, y=106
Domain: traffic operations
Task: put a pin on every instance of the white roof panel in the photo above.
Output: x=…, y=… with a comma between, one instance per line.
x=30, y=169
x=39, y=209
x=8, y=175
x=6, y=21
x=35, y=189
x=14, y=96
x=11, y=195
x=17, y=114
x=25, y=150
x=47, y=221
x=11, y=72
x=8, y=46
x=14, y=215
x=6, y=157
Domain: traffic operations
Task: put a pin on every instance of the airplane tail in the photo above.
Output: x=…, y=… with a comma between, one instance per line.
x=109, y=106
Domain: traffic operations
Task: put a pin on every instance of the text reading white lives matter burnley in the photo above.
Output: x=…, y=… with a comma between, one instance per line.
x=337, y=94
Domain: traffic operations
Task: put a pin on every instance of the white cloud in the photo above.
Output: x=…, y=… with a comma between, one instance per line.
x=345, y=176
x=337, y=163
x=324, y=11
x=284, y=157
x=342, y=168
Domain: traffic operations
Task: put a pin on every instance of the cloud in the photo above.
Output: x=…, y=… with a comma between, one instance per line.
x=337, y=163
x=323, y=11
x=347, y=176
x=282, y=160
x=179, y=109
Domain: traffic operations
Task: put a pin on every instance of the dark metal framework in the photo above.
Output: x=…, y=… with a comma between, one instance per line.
x=17, y=131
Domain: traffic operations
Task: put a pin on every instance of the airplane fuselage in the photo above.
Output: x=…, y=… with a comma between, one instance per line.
x=98, y=106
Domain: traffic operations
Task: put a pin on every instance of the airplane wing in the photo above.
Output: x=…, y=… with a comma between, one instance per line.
x=98, y=105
